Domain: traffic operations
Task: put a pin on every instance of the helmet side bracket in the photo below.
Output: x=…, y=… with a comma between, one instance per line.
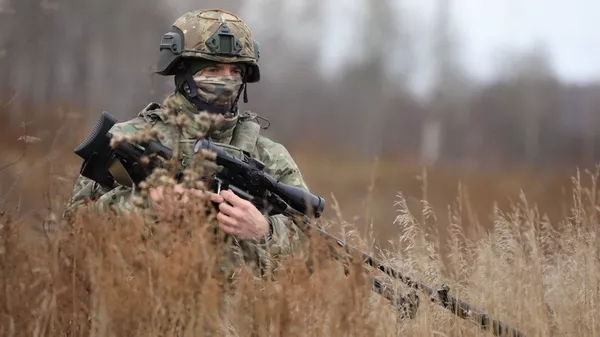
x=171, y=48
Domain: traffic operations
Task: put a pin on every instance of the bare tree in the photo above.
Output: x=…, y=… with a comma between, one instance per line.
x=444, y=65
x=87, y=53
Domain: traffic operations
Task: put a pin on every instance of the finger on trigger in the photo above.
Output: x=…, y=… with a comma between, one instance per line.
x=233, y=199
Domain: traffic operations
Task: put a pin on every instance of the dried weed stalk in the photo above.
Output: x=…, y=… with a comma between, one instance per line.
x=108, y=275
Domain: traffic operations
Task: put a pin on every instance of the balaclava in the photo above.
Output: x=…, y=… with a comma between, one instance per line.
x=213, y=94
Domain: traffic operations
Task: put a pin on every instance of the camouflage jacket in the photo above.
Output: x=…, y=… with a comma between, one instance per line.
x=287, y=236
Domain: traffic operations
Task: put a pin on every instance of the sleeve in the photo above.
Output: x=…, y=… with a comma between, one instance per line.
x=88, y=193
x=288, y=236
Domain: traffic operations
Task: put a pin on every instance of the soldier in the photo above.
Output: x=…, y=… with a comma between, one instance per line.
x=212, y=56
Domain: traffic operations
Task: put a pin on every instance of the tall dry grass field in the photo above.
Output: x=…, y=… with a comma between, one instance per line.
x=533, y=265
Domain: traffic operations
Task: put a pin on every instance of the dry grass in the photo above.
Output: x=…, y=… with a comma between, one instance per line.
x=103, y=276
x=536, y=270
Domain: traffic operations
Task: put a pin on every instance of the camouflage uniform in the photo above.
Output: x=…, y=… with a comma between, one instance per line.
x=196, y=39
x=197, y=33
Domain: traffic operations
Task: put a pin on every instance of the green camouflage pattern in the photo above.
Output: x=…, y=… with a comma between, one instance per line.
x=219, y=91
x=287, y=236
x=199, y=26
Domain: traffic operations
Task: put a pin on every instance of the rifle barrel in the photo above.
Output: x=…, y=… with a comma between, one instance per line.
x=441, y=297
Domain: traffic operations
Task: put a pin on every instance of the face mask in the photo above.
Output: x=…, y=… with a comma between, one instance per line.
x=219, y=91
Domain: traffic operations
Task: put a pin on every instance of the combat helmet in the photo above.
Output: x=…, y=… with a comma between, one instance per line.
x=212, y=35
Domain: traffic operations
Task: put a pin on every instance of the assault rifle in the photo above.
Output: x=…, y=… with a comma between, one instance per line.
x=130, y=163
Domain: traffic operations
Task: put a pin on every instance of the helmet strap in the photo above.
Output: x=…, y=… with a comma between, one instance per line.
x=244, y=87
x=192, y=96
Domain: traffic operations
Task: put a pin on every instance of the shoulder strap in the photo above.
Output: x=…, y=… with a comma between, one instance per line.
x=168, y=134
x=246, y=132
x=152, y=114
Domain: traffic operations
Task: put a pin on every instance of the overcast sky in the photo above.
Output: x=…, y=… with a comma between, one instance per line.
x=569, y=28
x=486, y=28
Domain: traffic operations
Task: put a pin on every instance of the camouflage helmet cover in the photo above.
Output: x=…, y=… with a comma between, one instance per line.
x=214, y=35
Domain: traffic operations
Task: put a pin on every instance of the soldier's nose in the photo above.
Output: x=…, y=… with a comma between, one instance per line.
x=231, y=70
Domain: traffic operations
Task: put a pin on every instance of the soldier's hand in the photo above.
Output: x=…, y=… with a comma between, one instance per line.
x=239, y=217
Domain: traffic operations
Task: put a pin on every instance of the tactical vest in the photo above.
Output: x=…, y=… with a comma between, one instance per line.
x=242, y=144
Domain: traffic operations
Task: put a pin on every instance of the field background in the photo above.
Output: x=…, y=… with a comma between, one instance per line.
x=363, y=193
x=495, y=159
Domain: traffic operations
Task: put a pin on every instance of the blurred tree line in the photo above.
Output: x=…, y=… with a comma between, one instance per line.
x=90, y=56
